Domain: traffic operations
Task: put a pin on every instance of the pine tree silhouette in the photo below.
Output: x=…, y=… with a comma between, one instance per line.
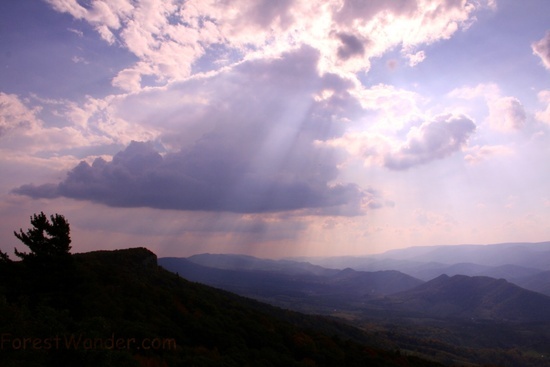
x=49, y=239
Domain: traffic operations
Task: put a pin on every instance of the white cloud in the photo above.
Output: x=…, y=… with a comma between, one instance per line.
x=416, y=58
x=544, y=115
x=394, y=108
x=128, y=80
x=78, y=32
x=36, y=128
x=16, y=116
x=29, y=134
x=366, y=146
x=434, y=139
x=171, y=37
x=506, y=113
x=541, y=48
x=78, y=59
x=477, y=154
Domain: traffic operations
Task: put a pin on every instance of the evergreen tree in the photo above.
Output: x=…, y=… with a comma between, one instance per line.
x=4, y=258
x=48, y=239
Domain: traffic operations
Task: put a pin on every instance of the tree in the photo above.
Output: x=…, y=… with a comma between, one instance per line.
x=4, y=258
x=48, y=239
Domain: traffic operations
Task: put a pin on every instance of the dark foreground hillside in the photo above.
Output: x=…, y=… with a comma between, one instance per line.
x=119, y=308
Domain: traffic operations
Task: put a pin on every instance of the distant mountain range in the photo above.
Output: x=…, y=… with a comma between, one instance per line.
x=535, y=255
x=521, y=263
x=290, y=284
x=415, y=281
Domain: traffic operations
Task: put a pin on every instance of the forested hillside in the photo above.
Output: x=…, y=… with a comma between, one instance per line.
x=118, y=308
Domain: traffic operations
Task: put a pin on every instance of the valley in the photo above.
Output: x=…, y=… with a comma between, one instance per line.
x=454, y=313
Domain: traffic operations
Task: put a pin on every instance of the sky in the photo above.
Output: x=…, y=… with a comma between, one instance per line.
x=276, y=128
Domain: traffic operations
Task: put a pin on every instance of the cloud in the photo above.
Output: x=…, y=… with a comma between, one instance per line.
x=128, y=80
x=541, y=48
x=544, y=115
x=435, y=139
x=477, y=154
x=24, y=134
x=394, y=108
x=171, y=38
x=351, y=46
x=416, y=58
x=244, y=140
x=506, y=113
x=16, y=116
x=141, y=177
x=39, y=133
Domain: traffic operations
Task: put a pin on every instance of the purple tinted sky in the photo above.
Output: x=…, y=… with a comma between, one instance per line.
x=276, y=128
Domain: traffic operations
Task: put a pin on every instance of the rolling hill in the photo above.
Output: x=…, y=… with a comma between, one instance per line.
x=463, y=297
x=539, y=282
x=290, y=284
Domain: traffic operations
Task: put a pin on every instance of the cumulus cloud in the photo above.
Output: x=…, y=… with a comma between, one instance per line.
x=15, y=115
x=141, y=177
x=252, y=136
x=541, y=48
x=544, y=115
x=506, y=113
x=24, y=133
x=169, y=37
x=232, y=145
x=128, y=80
x=435, y=139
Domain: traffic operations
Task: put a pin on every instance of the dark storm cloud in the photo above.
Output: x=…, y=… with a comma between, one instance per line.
x=249, y=146
x=435, y=139
x=141, y=177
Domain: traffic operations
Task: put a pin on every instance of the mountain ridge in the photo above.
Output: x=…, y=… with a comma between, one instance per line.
x=319, y=290
x=476, y=297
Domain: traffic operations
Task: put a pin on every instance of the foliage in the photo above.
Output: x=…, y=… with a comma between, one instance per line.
x=4, y=258
x=47, y=239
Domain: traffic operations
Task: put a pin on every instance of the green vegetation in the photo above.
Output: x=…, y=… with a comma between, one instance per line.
x=119, y=308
